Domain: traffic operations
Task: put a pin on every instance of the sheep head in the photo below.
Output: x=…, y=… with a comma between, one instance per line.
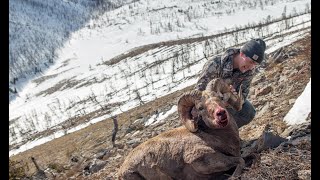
x=214, y=113
x=210, y=105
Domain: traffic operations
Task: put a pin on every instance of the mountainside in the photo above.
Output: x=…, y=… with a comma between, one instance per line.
x=39, y=29
x=274, y=90
x=75, y=64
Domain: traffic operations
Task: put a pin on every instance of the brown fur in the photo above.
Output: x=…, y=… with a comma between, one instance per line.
x=205, y=153
x=181, y=154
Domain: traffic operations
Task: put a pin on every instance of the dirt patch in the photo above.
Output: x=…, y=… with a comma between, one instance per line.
x=60, y=86
x=43, y=78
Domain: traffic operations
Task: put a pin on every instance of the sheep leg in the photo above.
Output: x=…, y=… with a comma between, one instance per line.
x=217, y=162
x=237, y=172
x=154, y=173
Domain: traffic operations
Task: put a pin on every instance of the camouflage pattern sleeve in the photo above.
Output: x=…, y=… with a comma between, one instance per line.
x=210, y=70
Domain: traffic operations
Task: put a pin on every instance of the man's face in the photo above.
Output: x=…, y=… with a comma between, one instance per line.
x=246, y=63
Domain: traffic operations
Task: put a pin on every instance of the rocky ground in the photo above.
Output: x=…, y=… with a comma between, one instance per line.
x=89, y=153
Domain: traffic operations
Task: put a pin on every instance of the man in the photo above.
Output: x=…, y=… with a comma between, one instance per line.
x=237, y=66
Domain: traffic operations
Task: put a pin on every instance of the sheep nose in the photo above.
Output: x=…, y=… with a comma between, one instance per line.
x=221, y=112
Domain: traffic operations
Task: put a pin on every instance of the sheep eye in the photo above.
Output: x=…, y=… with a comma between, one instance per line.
x=200, y=108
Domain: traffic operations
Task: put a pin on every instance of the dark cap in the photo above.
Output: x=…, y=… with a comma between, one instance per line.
x=254, y=49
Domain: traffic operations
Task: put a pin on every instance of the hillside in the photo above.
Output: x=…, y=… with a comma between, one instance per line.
x=274, y=90
x=76, y=93
x=75, y=64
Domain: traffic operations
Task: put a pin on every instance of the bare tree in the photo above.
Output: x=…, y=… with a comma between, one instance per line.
x=138, y=97
x=40, y=173
x=115, y=130
x=93, y=98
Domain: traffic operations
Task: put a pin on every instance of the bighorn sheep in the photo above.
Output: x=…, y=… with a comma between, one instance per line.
x=207, y=147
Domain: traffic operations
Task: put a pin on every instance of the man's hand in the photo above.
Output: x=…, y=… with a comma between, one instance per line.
x=233, y=90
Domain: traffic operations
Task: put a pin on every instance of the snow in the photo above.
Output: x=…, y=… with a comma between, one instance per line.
x=78, y=63
x=157, y=118
x=301, y=108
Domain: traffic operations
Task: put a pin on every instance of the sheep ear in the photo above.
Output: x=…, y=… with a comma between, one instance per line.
x=185, y=105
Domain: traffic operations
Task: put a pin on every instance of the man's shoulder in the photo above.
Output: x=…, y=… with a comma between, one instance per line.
x=225, y=58
x=228, y=53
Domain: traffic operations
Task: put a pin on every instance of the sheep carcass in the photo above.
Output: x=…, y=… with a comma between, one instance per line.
x=204, y=148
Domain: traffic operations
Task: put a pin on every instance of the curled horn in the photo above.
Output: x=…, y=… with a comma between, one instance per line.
x=185, y=105
x=215, y=87
x=219, y=88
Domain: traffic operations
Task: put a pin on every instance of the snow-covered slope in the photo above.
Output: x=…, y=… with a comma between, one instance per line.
x=37, y=29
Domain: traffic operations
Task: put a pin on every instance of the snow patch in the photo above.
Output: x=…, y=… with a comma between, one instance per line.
x=157, y=118
x=301, y=108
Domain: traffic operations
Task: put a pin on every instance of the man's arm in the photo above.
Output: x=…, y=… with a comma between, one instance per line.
x=210, y=71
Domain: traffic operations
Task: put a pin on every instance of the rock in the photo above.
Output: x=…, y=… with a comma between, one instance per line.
x=297, y=130
x=129, y=130
x=135, y=133
x=292, y=53
x=74, y=159
x=118, y=156
x=304, y=174
x=138, y=124
x=97, y=165
x=258, y=80
x=283, y=78
x=291, y=101
x=264, y=91
x=293, y=73
x=120, y=146
x=279, y=58
x=101, y=153
x=300, y=140
x=277, y=53
x=289, y=90
x=40, y=175
x=93, y=167
x=269, y=140
x=134, y=142
x=264, y=109
x=154, y=133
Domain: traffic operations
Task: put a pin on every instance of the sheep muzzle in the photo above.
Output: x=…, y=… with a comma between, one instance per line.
x=221, y=117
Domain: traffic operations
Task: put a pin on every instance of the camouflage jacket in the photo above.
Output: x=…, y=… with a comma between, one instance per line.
x=222, y=66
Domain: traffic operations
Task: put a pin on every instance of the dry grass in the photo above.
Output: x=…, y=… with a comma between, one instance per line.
x=282, y=164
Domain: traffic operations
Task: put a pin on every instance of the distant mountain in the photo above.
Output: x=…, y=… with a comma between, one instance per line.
x=38, y=28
